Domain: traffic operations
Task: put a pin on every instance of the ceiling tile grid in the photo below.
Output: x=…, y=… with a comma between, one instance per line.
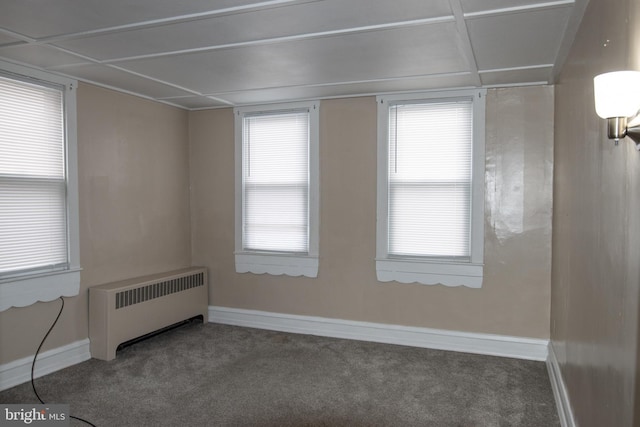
x=201, y=54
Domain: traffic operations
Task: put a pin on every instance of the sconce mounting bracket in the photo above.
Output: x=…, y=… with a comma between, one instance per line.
x=617, y=129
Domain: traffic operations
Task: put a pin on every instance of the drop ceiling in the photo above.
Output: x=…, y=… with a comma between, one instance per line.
x=208, y=54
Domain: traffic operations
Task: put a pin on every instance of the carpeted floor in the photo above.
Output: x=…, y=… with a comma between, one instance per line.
x=215, y=375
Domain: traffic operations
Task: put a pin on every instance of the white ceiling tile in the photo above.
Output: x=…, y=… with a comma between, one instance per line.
x=44, y=18
x=313, y=17
x=108, y=76
x=39, y=55
x=517, y=39
x=411, y=51
x=530, y=75
x=258, y=51
x=7, y=39
x=311, y=92
x=473, y=6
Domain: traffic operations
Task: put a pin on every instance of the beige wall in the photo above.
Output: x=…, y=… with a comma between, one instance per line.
x=514, y=299
x=134, y=209
x=596, y=250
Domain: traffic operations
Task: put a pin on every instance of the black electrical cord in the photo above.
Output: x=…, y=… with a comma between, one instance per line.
x=33, y=364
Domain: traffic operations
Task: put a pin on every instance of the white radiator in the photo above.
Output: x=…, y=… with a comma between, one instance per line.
x=122, y=311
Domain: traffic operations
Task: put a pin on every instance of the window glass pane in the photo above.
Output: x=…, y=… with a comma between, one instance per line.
x=430, y=154
x=33, y=222
x=275, y=178
x=32, y=130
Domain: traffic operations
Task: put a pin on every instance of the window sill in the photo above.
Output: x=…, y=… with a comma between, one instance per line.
x=24, y=291
x=277, y=264
x=430, y=272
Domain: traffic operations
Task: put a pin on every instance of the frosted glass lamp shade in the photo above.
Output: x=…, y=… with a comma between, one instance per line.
x=617, y=94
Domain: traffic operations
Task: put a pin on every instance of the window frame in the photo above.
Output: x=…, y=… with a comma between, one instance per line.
x=28, y=288
x=276, y=262
x=431, y=270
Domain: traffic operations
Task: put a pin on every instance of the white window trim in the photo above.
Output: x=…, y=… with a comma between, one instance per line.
x=279, y=263
x=25, y=290
x=431, y=271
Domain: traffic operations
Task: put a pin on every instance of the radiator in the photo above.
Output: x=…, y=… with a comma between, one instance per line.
x=122, y=311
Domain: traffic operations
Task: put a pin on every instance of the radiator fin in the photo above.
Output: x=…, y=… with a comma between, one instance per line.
x=158, y=289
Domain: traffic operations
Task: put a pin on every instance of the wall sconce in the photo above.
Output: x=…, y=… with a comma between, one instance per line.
x=617, y=98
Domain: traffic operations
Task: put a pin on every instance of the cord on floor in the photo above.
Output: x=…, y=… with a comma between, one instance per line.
x=33, y=364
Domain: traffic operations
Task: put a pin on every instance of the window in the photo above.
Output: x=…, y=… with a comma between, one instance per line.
x=431, y=188
x=277, y=193
x=39, y=257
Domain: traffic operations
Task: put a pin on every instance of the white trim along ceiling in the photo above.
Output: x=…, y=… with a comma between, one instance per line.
x=198, y=54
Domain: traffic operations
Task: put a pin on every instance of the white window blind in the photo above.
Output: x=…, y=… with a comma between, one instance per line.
x=429, y=179
x=276, y=182
x=33, y=212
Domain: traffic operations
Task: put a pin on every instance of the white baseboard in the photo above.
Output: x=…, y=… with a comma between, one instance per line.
x=494, y=345
x=19, y=371
x=559, y=390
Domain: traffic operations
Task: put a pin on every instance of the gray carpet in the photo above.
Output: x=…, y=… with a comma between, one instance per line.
x=215, y=375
